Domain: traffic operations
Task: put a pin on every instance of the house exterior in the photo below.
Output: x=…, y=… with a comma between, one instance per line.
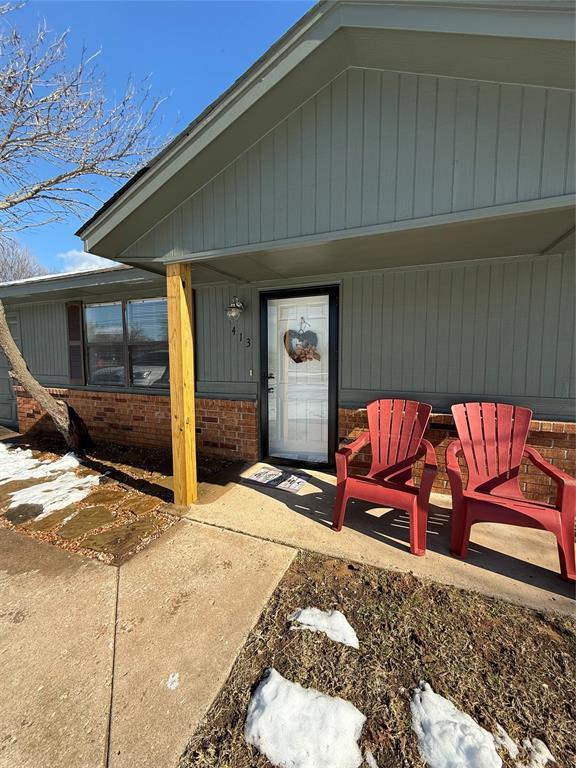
x=387, y=194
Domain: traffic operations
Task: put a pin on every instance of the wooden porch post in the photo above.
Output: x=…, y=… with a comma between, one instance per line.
x=181, y=349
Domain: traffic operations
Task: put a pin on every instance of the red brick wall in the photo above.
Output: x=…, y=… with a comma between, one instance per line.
x=223, y=427
x=556, y=441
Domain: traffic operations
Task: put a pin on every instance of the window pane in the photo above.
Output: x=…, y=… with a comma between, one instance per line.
x=106, y=365
x=147, y=320
x=149, y=366
x=103, y=323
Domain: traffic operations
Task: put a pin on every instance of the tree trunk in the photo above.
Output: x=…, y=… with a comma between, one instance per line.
x=67, y=421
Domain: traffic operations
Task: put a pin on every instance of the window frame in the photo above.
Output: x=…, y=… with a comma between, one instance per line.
x=128, y=382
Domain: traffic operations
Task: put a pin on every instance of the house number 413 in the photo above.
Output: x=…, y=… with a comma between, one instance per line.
x=246, y=340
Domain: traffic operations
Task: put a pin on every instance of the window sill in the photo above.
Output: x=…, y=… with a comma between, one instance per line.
x=118, y=390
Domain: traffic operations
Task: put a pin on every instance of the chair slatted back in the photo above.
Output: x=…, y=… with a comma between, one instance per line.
x=493, y=437
x=396, y=430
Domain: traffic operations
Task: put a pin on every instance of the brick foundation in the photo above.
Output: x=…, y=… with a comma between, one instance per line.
x=556, y=441
x=223, y=427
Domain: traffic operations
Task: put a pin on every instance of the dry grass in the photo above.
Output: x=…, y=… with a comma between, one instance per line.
x=498, y=662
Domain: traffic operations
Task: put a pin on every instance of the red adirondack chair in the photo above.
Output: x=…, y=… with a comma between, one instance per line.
x=493, y=441
x=395, y=434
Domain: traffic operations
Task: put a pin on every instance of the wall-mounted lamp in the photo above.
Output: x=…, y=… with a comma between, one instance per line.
x=234, y=309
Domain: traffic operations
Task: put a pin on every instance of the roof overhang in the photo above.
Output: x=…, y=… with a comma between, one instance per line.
x=502, y=232
x=72, y=285
x=513, y=230
x=514, y=42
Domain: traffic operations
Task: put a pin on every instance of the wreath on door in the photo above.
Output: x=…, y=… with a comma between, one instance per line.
x=301, y=345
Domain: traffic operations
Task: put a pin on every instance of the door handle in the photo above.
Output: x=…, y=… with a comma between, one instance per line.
x=270, y=390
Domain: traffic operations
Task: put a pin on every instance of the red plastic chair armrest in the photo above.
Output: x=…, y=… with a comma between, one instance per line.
x=452, y=451
x=353, y=448
x=345, y=453
x=561, y=478
x=453, y=471
x=566, y=484
x=430, y=462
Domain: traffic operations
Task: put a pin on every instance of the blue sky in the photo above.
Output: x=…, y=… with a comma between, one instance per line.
x=192, y=49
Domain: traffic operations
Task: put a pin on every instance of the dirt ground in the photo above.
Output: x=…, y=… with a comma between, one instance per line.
x=120, y=516
x=497, y=662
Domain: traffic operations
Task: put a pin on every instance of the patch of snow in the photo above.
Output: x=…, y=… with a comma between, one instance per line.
x=502, y=739
x=331, y=623
x=538, y=754
x=296, y=727
x=55, y=494
x=448, y=737
x=369, y=759
x=19, y=464
x=173, y=681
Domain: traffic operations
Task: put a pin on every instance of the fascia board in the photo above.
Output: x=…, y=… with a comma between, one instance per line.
x=501, y=20
x=219, y=120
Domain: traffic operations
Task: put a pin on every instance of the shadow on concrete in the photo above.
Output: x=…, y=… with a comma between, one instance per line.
x=392, y=528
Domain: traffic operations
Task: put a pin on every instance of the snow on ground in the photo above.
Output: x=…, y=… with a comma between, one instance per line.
x=502, y=739
x=538, y=754
x=173, y=681
x=331, y=623
x=448, y=737
x=296, y=727
x=55, y=494
x=369, y=759
x=19, y=464
x=61, y=488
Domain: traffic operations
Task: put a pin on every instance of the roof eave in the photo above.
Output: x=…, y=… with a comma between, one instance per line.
x=511, y=19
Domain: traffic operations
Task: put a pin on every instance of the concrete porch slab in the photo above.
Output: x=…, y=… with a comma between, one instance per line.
x=515, y=564
x=186, y=605
x=56, y=629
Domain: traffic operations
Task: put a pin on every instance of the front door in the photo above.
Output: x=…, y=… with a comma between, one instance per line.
x=299, y=365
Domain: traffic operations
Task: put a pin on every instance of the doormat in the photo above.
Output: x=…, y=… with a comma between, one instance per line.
x=276, y=478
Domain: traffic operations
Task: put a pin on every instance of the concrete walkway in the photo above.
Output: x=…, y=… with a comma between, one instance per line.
x=516, y=564
x=107, y=667
x=77, y=692
x=56, y=654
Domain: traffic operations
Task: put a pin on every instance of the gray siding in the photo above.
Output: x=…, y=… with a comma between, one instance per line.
x=8, y=414
x=501, y=329
x=374, y=147
x=45, y=341
x=40, y=332
x=226, y=362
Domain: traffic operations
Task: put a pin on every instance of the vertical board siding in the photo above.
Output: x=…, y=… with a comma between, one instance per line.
x=45, y=341
x=8, y=413
x=222, y=357
x=373, y=147
x=495, y=328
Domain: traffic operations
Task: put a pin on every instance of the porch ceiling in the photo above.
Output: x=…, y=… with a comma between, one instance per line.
x=430, y=243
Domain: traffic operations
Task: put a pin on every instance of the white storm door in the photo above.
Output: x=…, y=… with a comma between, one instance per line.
x=298, y=378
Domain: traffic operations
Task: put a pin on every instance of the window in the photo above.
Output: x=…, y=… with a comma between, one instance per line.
x=127, y=343
x=147, y=324
x=104, y=343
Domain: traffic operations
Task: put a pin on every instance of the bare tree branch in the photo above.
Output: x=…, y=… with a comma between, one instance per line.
x=57, y=127
x=59, y=133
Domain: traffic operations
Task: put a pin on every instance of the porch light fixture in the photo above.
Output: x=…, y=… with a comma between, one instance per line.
x=234, y=309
